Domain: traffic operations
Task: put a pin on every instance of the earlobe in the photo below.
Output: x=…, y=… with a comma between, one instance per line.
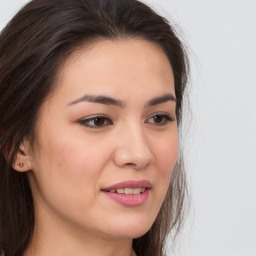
x=22, y=162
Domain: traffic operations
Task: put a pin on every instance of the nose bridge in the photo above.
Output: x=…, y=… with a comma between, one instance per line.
x=133, y=147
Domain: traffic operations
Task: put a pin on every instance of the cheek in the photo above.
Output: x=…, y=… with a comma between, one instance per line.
x=167, y=155
x=166, y=158
x=69, y=150
x=67, y=173
x=78, y=160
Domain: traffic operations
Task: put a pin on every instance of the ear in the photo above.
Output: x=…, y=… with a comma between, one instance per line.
x=22, y=162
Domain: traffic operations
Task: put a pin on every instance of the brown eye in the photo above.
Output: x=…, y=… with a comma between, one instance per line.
x=159, y=119
x=99, y=121
x=96, y=122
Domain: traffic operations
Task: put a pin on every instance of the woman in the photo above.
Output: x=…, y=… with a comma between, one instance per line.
x=91, y=95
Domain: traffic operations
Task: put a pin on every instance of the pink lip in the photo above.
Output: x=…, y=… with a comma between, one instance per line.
x=130, y=184
x=129, y=200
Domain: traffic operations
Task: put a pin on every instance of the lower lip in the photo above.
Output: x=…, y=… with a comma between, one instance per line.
x=129, y=200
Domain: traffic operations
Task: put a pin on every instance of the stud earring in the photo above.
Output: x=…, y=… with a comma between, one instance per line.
x=21, y=164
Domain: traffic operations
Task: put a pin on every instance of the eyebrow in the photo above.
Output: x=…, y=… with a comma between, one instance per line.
x=98, y=99
x=162, y=99
x=106, y=100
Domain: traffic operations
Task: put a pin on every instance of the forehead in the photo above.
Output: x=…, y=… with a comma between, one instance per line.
x=116, y=66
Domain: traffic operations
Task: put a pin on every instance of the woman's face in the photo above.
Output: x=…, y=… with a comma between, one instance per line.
x=110, y=120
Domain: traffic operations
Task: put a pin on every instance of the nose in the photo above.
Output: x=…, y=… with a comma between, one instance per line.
x=133, y=149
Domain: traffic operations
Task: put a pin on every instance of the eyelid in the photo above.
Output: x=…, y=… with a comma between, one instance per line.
x=85, y=121
x=168, y=118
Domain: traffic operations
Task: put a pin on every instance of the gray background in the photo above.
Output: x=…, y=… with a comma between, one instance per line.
x=221, y=141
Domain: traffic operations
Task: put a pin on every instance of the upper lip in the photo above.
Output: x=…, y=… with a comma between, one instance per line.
x=129, y=184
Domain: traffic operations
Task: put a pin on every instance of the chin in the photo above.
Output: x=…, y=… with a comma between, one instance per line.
x=131, y=228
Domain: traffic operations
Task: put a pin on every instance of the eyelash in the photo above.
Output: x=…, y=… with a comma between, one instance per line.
x=105, y=119
x=164, y=119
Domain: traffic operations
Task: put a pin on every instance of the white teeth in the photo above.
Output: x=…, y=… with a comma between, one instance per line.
x=120, y=191
x=136, y=191
x=128, y=191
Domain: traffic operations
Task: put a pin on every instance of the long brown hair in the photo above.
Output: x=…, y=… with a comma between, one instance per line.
x=32, y=47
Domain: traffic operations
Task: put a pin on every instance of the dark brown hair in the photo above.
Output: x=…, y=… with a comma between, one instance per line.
x=32, y=47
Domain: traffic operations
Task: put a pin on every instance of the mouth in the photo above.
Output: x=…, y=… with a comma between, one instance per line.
x=129, y=193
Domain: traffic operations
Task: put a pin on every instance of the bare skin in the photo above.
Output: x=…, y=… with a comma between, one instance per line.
x=83, y=146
